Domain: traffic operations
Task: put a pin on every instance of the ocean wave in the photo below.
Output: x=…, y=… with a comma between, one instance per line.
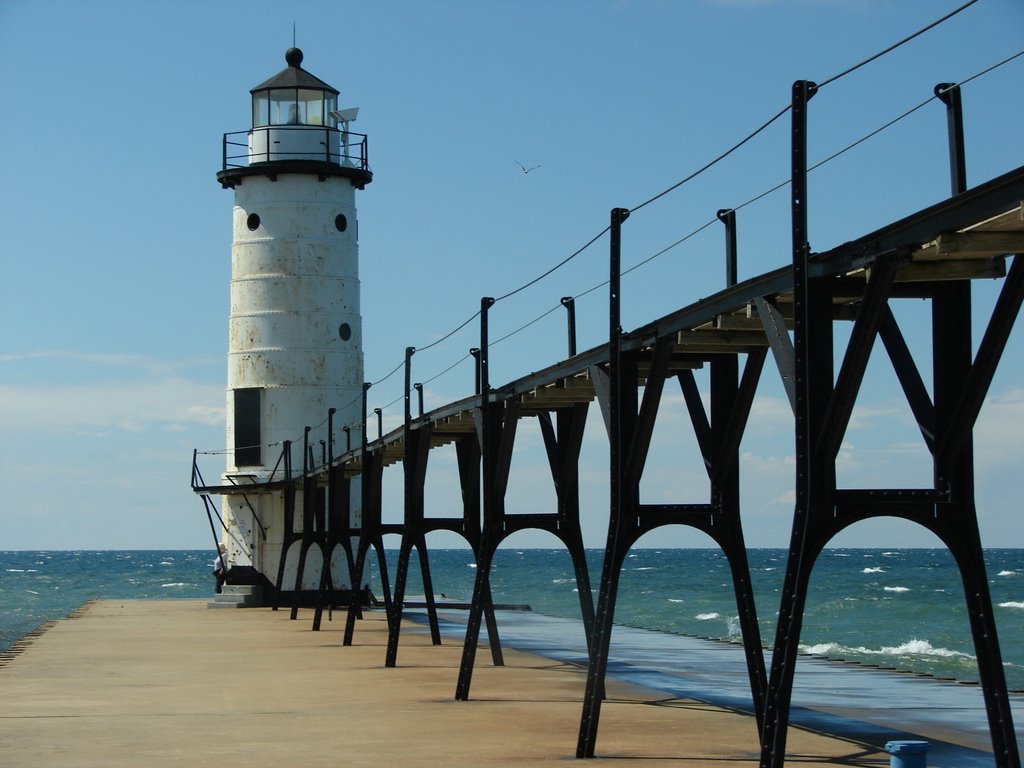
x=676, y=600
x=913, y=647
x=873, y=570
x=896, y=589
x=1012, y=604
x=1007, y=573
x=177, y=584
x=707, y=616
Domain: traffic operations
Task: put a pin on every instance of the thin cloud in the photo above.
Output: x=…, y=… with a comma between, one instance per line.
x=171, y=403
x=109, y=360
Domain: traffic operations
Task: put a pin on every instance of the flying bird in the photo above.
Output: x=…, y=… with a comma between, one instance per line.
x=525, y=169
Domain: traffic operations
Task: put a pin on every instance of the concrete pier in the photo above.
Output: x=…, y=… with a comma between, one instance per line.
x=170, y=683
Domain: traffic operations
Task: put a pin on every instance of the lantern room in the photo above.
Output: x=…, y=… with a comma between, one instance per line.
x=293, y=97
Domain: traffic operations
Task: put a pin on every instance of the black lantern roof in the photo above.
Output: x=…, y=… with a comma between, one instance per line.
x=294, y=76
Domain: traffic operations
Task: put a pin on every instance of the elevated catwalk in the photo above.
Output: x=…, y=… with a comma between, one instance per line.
x=791, y=314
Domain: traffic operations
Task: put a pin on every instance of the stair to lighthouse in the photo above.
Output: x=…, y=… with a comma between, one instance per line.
x=238, y=596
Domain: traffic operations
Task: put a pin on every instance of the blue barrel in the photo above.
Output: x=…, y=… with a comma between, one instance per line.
x=907, y=754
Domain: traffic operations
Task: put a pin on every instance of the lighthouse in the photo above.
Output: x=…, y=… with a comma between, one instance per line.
x=295, y=331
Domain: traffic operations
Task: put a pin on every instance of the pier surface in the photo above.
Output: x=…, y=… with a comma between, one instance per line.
x=170, y=683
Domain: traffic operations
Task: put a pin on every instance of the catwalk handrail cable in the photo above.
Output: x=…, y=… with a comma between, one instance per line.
x=702, y=169
x=741, y=206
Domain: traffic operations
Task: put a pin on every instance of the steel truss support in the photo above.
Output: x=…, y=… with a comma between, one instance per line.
x=823, y=405
x=631, y=423
x=417, y=439
x=312, y=522
x=289, y=535
x=417, y=526
x=417, y=449
x=370, y=532
x=339, y=516
x=563, y=439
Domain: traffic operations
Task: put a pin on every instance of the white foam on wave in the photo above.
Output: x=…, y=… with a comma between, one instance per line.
x=707, y=616
x=920, y=648
x=876, y=569
x=896, y=589
x=176, y=584
x=915, y=647
x=821, y=649
x=1012, y=604
x=1007, y=573
x=676, y=600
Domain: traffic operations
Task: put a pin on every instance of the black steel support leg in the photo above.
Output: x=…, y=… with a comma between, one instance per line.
x=354, y=609
x=428, y=591
x=395, y=615
x=481, y=604
x=600, y=643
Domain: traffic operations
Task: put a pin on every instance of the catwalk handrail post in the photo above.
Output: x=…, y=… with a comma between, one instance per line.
x=570, y=309
x=475, y=354
x=949, y=94
x=780, y=681
x=728, y=217
x=418, y=386
x=600, y=643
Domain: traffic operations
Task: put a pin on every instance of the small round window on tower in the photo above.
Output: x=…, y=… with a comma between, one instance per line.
x=253, y=222
x=340, y=222
x=345, y=331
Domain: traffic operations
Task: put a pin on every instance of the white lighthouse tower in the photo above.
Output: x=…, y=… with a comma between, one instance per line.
x=295, y=332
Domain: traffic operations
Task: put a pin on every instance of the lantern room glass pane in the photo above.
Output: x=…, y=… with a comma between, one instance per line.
x=283, y=108
x=311, y=107
x=260, y=109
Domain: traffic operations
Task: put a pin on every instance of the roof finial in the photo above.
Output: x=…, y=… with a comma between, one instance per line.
x=294, y=57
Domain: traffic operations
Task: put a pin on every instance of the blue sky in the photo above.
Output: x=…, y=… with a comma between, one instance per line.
x=116, y=237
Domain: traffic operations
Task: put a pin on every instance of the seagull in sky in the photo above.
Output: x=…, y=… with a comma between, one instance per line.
x=525, y=169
